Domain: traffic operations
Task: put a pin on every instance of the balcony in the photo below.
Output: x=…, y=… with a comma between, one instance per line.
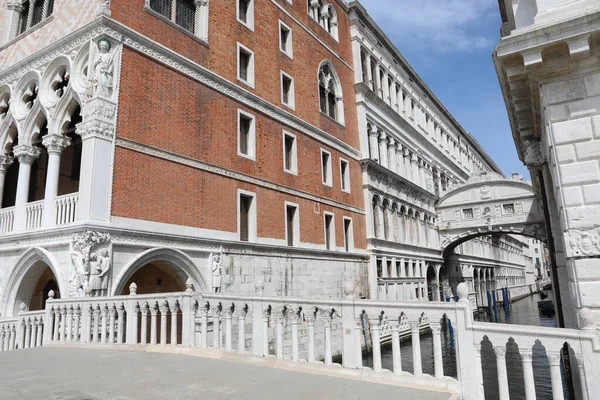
x=66, y=208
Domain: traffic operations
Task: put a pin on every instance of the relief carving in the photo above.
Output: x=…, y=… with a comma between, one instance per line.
x=104, y=70
x=584, y=243
x=90, y=271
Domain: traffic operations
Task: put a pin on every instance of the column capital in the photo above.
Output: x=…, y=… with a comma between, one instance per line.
x=26, y=154
x=14, y=5
x=553, y=358
x=500, y=352
x=5, y=163
x=200, y=3
x=56, y=144
x=415, y=326
x=436, y=328
x=526, y=355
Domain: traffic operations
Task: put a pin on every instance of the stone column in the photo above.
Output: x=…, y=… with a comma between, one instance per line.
x=555, y=376
x=374, y=144
x=500, y=352
x=438, y=361
x=385, y=89
x=582, y=378
x=26, y=156
x=97, y=134
x=55, y=144
x=391, y=154
x=370, y=82
x=414, y=163
x=399, y=159
x=383, y=149
x=526, y=356
x=402, y=271
x=416, y=347
x=376, y=344
x=5, y=163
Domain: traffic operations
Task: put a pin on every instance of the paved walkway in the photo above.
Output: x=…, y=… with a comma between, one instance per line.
x=78, y=374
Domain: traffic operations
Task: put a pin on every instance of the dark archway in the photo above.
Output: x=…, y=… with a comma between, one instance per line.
x=9, y=193
x=155, y=277
x=70, y=161
x=35, y=287
x=432, y=283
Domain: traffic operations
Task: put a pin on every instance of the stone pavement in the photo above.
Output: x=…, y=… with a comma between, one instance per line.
x=79, y=374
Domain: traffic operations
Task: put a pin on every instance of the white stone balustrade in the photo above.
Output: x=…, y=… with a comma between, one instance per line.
x=33, y=214
x=7, y=219
x=66, y=208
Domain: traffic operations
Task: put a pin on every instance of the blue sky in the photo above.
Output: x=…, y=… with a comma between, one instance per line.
x=450, y=44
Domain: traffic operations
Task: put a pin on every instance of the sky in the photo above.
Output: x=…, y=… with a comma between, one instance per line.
x=450, y=44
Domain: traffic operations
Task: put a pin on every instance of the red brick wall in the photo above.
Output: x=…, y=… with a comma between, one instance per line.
x=221, y=53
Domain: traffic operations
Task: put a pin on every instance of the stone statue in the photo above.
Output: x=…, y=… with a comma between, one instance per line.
x=105, y=267
x=85, y=277
x=217, y=270
x=103, y=70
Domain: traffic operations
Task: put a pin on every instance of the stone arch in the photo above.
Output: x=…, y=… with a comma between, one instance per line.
x=35, y=122
x=385, y=207
x=181, y=264
x=395, y=225
x=24, y=276
x=65, y=108
x=375, y=206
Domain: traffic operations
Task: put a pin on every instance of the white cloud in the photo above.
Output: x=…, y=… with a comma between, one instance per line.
x=439, y=25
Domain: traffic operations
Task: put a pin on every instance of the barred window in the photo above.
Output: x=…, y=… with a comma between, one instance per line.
x=30, y=14
x=38, y=12
x=330, y=99
x=183, y=13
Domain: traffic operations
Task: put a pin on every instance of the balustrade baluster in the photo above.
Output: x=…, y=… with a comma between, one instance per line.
x=416, y=347
x=164, y=309
x=27, y=333
x=104, y=324
x=96, y=329
x=479, y=371
x=436, y=330
x=69, y=323
x=311, y=339
x=34, y=328
x=526, y=360
x=134, y=328
x=327, y=329
x=56, y=313
x=174, y=310
x=153, y=323
x=2, y=337
x=88, y=325
x=555, y=376
x=376, y=343
x=204, y=328
x=121, y=323
x=77, y=329
x=112, y=313
x=500, y=352
x=242, y=332
x=216, y=329
x=13, y=337
x=39, y=333
x=228, y=333
x=144, y=331
x=396, y=356
x=279, y=336
x=358, y=339
x=295, y=338
x=582, y=377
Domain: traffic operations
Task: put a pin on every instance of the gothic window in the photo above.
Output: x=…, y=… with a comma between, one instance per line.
x=183, y=13
x=23, y=16
x=325, y=15
x=386, y=228
x=376, y=221
x=330, y=99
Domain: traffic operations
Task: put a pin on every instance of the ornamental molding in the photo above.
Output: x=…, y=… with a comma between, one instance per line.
x=166, y=155
x=55, y=144
x=26, y=154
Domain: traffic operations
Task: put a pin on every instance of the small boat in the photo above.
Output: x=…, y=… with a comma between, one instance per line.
x=546, y=307
x=547, y=286
x=543, y=295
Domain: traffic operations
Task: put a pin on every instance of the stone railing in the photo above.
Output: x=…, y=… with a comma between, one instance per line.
x=33, y=214
x=317, y=334
x=66, y=208
x=7, y=218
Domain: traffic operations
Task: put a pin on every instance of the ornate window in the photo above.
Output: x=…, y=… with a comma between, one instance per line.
x=330, y=93
x=190, y=15
x=325, y=15
x=26, y=14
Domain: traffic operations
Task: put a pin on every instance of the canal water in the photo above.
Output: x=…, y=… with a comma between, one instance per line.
x=522, y=312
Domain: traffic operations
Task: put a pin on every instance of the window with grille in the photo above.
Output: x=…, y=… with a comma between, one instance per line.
x=290, y=158
x=245, y=13
x=163, y=7
x=329, y=92
x=183, y=13
x=30, y=14
x=246, y=135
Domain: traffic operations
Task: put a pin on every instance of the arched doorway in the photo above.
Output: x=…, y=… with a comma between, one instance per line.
x=35, y=286
x=156, y=277
x=432, y=284
x=444, y=284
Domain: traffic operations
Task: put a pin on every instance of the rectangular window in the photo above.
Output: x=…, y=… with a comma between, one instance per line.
x=245, y=214
x=245, y=13
x=245, y=65
x=292, y=230
x=163, y=7
x=345, y=175
x=348, y=236
x=290, y=153
x=185, y=14
x=326, y=168
x=246, y=135
x=329, y=232
x=468, y=213
x=509, y=209
x=285, y=39
x=287, y=90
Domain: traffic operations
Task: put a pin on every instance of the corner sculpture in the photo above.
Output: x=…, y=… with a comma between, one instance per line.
x=90, y=272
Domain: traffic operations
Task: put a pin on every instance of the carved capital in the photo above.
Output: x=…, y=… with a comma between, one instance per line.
x=414, y=326
x=56, y=144
x=26, y=154
x=500, y=352
x=436, y=328
x=477, y=350
x=201, y=3
x=5, y=163
x=96, y=129
x=553, y=358
x=526, y=355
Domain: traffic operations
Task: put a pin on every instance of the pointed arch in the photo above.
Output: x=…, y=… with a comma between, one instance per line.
x=330, y=92
x=65, y=108
x=182, y=265
x=33, y=125
x=28, y=267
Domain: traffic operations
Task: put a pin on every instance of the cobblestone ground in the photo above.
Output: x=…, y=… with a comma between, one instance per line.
x=77, y=374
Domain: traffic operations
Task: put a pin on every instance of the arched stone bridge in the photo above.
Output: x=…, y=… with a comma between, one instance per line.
x=486, y=204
